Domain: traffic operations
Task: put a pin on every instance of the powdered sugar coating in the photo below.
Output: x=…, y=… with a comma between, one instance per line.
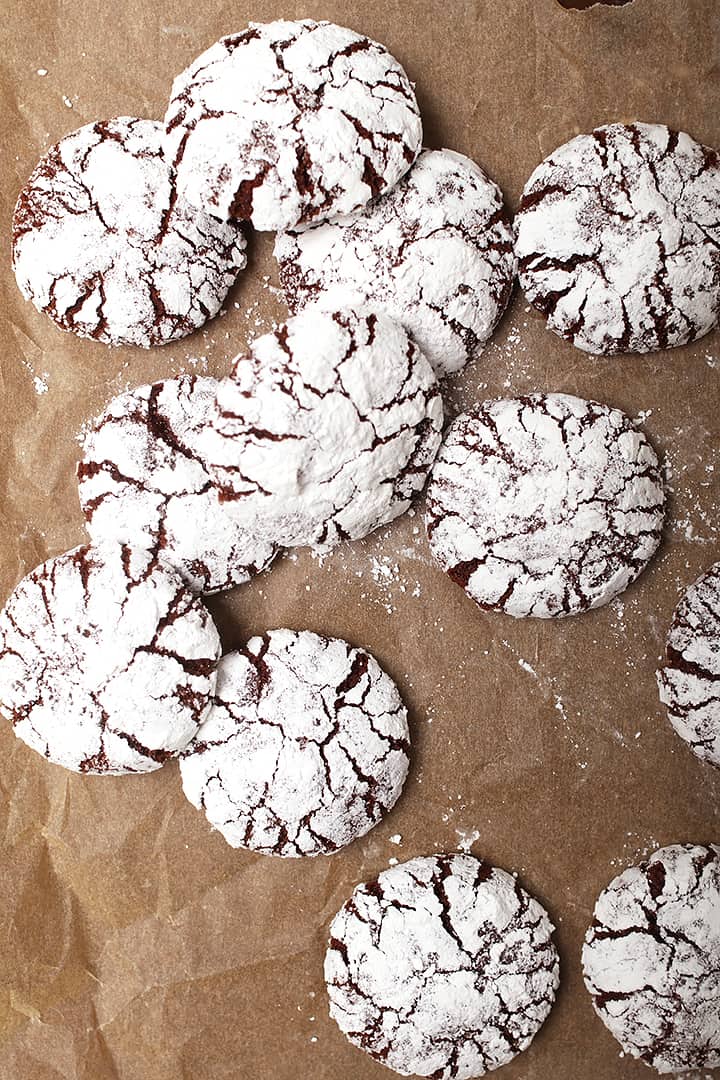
x=545, y=505
x=305, y=749
x=443, y=967
x=107, y=661
x=435, y=253
x=328, y=429
x=618, y=239
x=291, y=121
x=689, y=680
x=652, y=958
x=144, y=481
x=108, y=248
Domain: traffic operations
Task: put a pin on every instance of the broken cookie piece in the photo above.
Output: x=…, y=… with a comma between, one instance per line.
x=442, y=966
x=305, y=749
x=328, y=429
x=144, y=481
x=689, y=680
x=105, y=245
x=618, y=239
x=289, y=122
x=651, y=958
x=107, y=660
x=545, y=505
x=435, y=253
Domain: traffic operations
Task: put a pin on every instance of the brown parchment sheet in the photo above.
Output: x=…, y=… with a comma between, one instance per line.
x=134, y=943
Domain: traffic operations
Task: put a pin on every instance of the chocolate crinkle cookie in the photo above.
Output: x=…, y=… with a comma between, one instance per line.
x=327, y=429
x=305, y=749
x=544, y=505
x=652, y=959
x=105, y=244
x=107, y=661
x=442, y=967
x=436, y=253
x=144, y=481
x=690, y=677
x=289, y=122
x=618, y=239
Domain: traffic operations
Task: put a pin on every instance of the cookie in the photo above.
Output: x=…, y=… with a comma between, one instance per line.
x=105, y=244
x=689, y=680
x=545, y=505
x=442, y=967
x=305, y=749
x=618, y=239
x=107, y=661
x=289, y=122
x=143, y=480
x=327, y=429
x=651, y=959
x=435, y=253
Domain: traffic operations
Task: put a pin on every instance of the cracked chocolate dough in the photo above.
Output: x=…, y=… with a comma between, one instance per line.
x=690, y=677
x=104, y=244
x=289, y=122
x=435, y=253
x=107, y=661
x=305, y=749
x=442, y=967
x=545, y=505
x=144, y=481
x=328, y=429
x=651, y=959
x=618, y=239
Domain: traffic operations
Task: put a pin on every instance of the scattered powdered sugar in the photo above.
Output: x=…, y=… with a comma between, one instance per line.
x=291, y=121
x=305, y=749
x=545, y=505
x=104, y=246
x=328, y=429
x=107, y=662
x=144, y=481
x=441, y=966
x=617, y=239
x=651, y=959
x=435, y=253
x=689, y=680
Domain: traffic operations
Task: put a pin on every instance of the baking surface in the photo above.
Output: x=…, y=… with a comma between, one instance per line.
x=134, y=943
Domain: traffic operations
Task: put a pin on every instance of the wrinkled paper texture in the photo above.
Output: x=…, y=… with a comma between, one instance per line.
x=134, y=943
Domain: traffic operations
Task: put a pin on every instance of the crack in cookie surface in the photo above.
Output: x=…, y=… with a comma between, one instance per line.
x=328, y=429
x=545, y=505
x=435, y=253
x=442, y=967
x=107, y=660
x=289, y=122
x=104, y=244
x=305, y=749
x=651, y=958
x=144, y=481
x=689, y=680
x=618, y=239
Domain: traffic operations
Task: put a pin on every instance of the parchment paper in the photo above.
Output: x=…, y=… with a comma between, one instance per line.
x=134, y=943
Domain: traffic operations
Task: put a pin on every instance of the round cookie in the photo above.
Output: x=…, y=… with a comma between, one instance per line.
x=618, y=239
x=144, y=481
x=651, y=959
x=435, y=253
x=107, y=661
x=105, y=244
x=289, y=122
x=328, y=429
x=442, y=966
x=689, y=680
x=545, y=505
x=305, y=749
